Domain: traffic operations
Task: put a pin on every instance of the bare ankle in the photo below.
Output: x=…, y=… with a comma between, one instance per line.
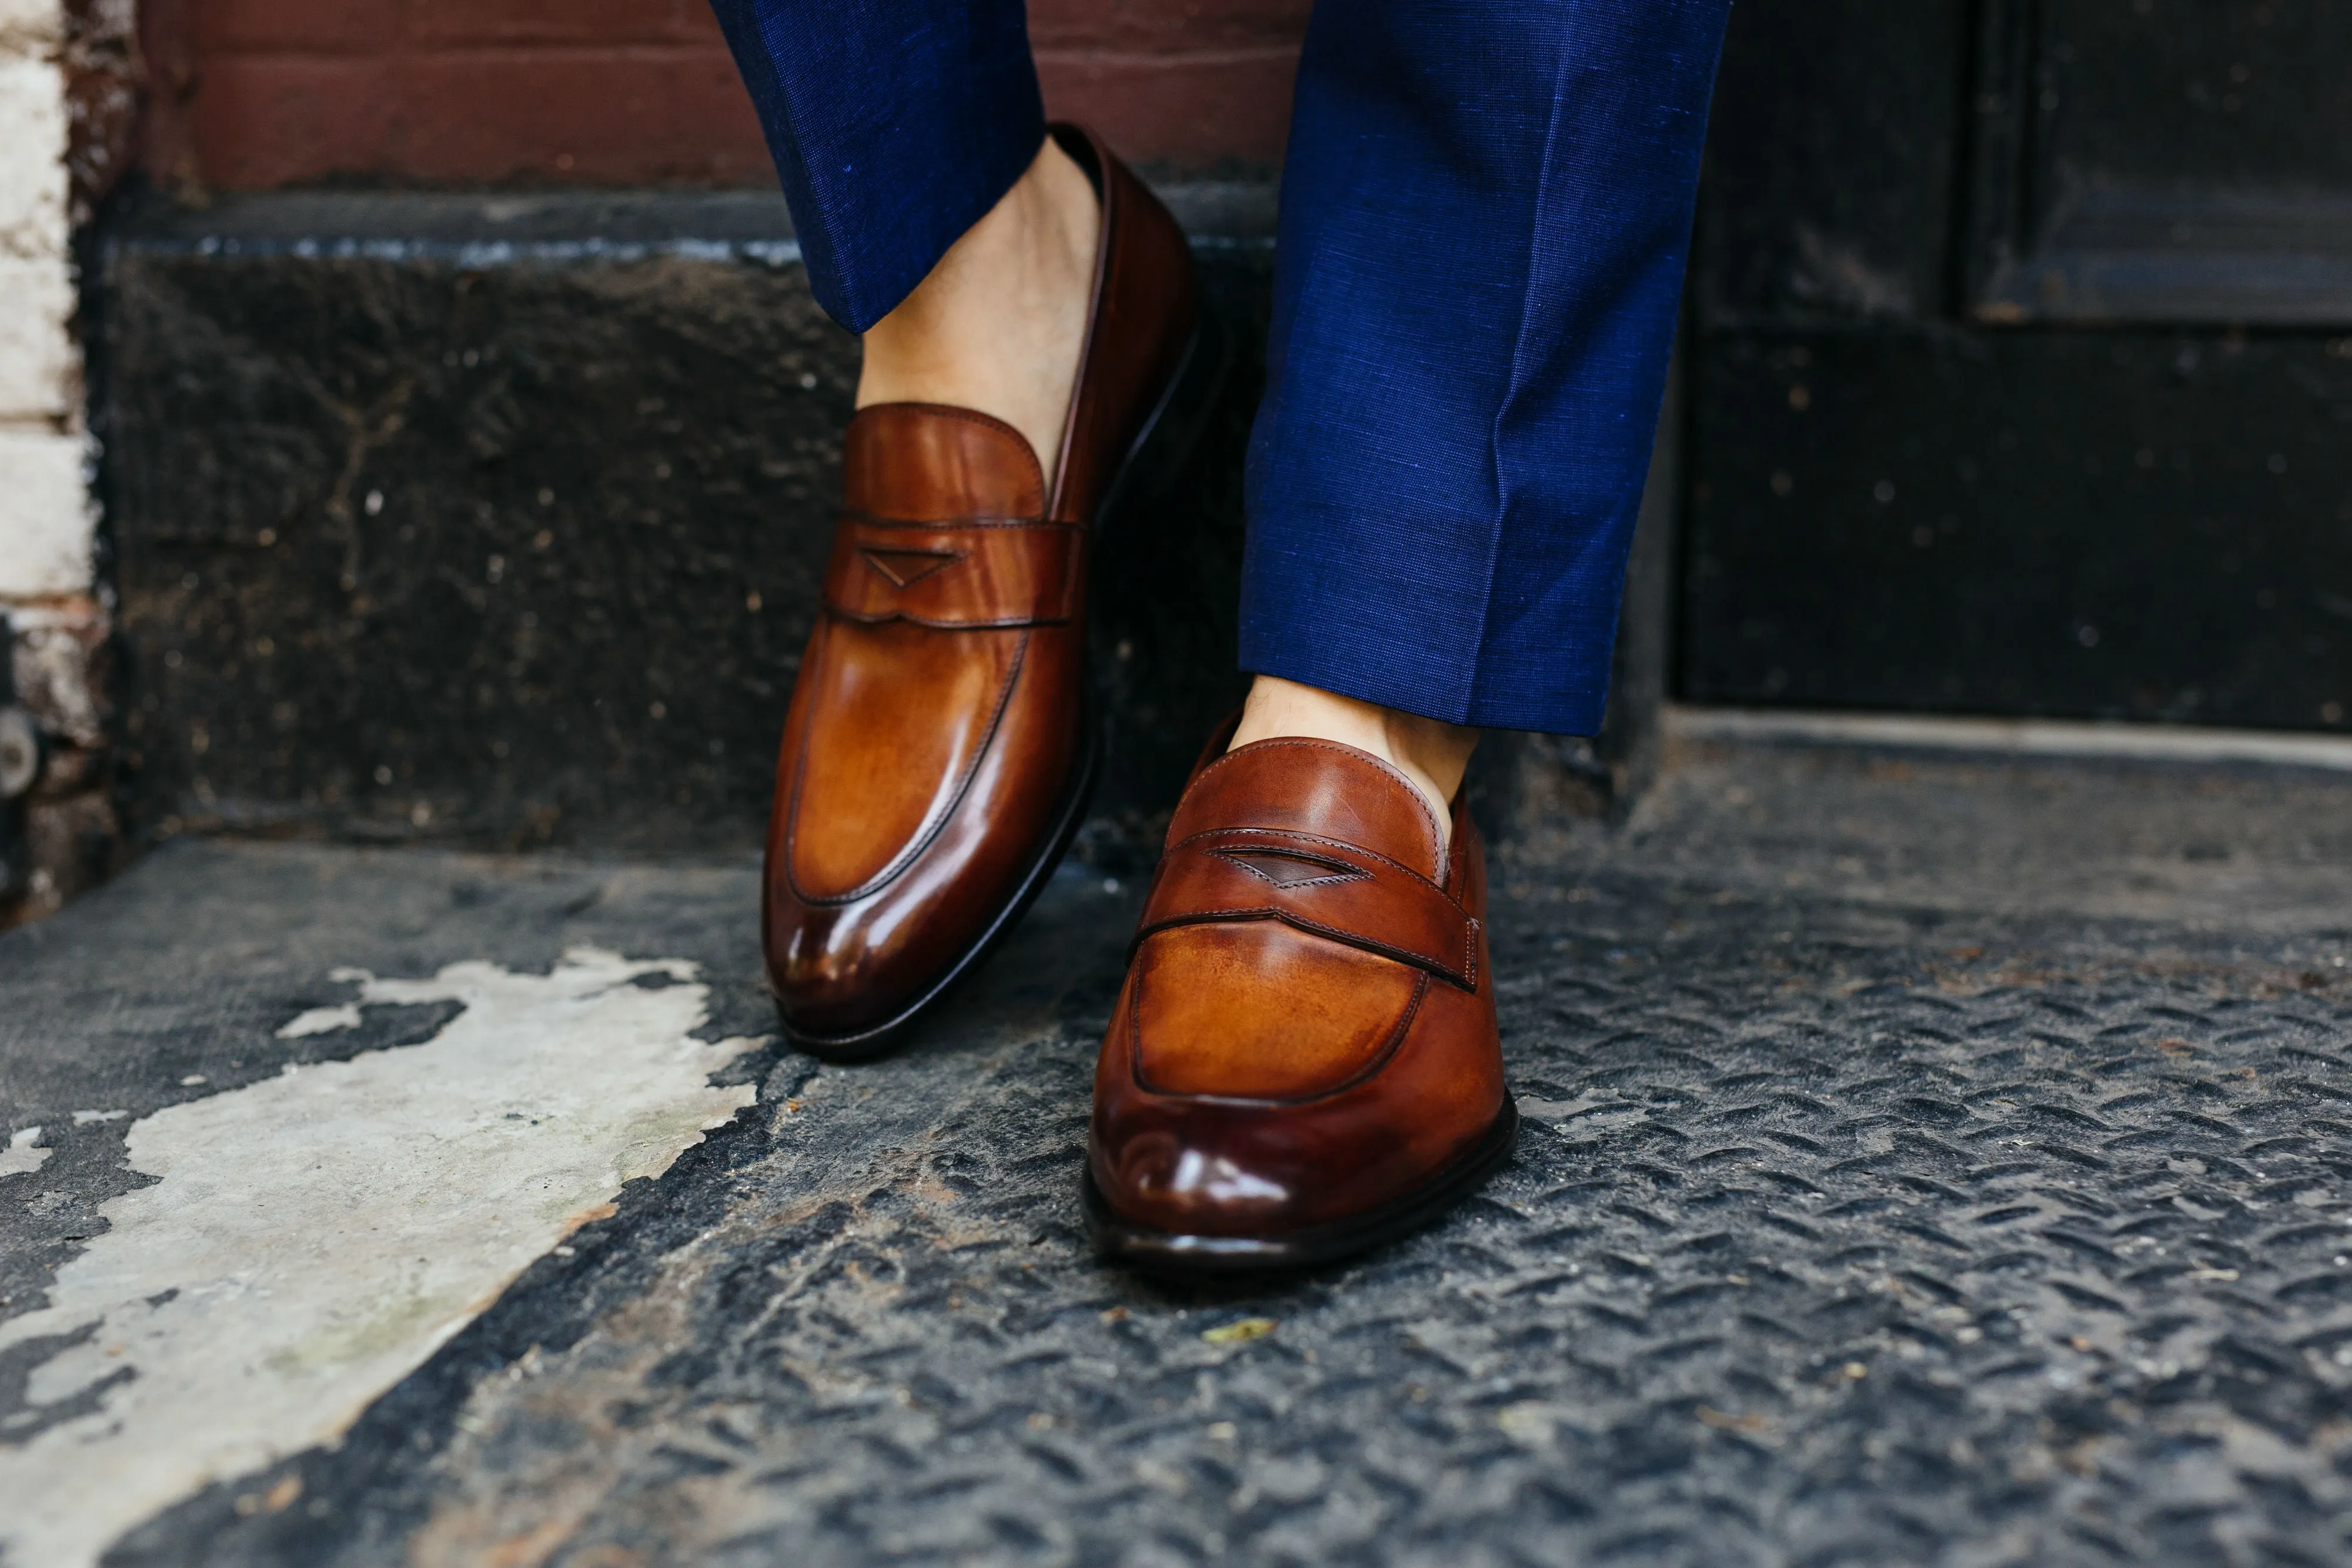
x=1430, y=754
x=999, y=322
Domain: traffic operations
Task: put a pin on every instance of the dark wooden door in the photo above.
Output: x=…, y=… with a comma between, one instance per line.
x=2021, y=361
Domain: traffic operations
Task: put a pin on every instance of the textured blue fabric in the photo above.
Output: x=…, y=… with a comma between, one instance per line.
x=894, y=125
x=1484, y=218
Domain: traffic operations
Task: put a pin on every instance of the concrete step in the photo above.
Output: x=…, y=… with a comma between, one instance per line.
x=496, y=520
x=1921, y=1149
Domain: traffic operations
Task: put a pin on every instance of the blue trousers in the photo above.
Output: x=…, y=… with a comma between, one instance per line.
x=1485, y=213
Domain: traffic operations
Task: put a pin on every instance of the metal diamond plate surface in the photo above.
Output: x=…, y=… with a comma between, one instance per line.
x=1925, y=1164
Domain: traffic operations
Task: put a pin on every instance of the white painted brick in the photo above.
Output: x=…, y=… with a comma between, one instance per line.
x=31, y=26
x=33, y=222
x=58, y=644
x=38, y=364
x=46, y=525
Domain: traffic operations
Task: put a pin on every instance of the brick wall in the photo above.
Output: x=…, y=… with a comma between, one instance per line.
x=255, y=93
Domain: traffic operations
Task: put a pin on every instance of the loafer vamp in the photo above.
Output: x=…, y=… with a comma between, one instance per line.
x=1214, y=1165
x=910, y=810
x=899, y=719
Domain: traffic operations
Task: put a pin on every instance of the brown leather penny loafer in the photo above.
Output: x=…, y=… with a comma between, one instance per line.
x=939, y=752
x=1304, y=1060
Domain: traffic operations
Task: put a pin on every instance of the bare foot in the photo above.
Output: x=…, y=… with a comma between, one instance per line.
x=999, y=323
x=1430, y=754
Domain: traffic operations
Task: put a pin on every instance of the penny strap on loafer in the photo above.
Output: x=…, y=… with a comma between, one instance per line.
x=1315, y=885
x=971, y=573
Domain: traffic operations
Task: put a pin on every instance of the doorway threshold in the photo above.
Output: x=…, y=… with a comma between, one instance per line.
x=1682, y=724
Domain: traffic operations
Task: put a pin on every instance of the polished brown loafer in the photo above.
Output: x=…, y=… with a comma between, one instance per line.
x=1304, y=1061
x=939, y=748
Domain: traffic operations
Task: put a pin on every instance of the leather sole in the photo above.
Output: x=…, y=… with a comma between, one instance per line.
x=1173, y=1252
x=1152, y=461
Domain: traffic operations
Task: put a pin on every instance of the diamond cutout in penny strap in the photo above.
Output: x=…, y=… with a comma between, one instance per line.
x=977, y=572
x=1285, y=868
x=1318, y=885
x=905, y=568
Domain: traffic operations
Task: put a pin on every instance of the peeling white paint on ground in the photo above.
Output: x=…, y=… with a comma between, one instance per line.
x=324, y=1020
x=312, y=1238
x=20, y=1158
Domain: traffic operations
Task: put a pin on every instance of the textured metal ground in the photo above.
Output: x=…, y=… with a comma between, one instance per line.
x=1927, y=1162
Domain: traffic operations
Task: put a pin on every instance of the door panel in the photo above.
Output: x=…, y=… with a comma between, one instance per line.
x=1835, y=139
x=2182, y=161
x=2075, y=436
x=2027, y=523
